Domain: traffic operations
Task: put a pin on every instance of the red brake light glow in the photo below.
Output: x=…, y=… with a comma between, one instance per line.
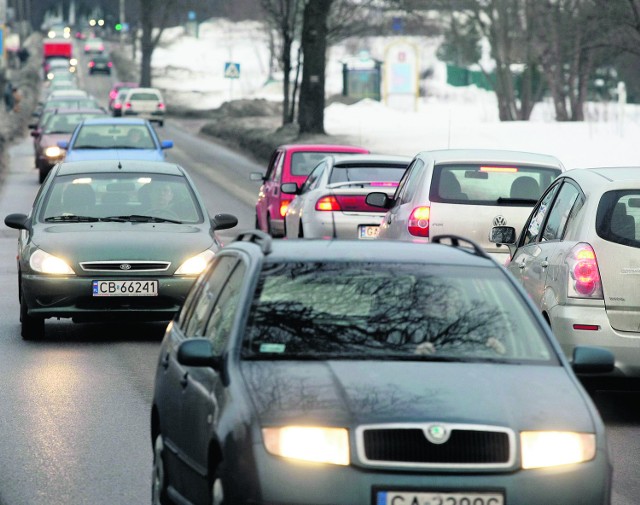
x=498, y=169
x=128, y=105
x=92, y=64
x=160, y=105
x=587, y=327
x=584, y=275
x=327, y=203
x=113, y=94
x=419, y=221
x=284, y=205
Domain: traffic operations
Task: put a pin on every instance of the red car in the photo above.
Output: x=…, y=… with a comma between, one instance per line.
x=289, y=163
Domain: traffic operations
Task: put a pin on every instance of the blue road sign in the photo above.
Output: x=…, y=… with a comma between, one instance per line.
x=232, y=70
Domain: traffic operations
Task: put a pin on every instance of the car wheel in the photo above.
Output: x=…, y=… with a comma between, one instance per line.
x=158, y=475
x=32, y=327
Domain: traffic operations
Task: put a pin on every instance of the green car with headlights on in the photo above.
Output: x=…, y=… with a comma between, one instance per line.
x=112, y=240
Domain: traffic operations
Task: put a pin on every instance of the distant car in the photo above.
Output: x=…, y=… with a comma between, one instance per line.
x=331, y=202
x=147, y=103
x=116, y=104
x=94, y=45
x=288, y=163
x=67, y=92
x=112, y=138
x=116, y=88
x=577, y=256
x=92, y=249
x=465, y=192
x=59, y=126
x=349, y=372
x=100, y=63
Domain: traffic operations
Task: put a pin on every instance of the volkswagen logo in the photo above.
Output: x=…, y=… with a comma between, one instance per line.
x=125, y=266
x=436, y=433
x=499, y=221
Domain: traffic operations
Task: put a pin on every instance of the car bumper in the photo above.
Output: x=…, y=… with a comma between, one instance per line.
x=624, y=345
x=584, y=484
x=342, y=226
x=150, y=116
x=71, y=297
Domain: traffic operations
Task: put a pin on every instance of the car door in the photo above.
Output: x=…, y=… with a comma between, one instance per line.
x=204, y=391
x=272, y=186
x=300, y=210
x=393, y=224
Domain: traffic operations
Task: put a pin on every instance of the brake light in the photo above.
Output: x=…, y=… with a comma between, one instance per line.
x=113, y=95
x=117, y=105
x=92, y=64
x=160, y=105
x=584, y=276
x=284, y=205
x=419, y=221
x=127, y=105
x=110, y=64
x=327, y=203
x=498, y=169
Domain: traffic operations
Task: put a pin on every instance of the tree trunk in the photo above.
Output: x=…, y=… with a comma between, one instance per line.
x=314, y=46
x=146, y=48
x=286, y=69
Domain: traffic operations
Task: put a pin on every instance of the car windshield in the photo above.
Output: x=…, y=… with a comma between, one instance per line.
x=111, y=136
x=490, y=184
x=65, y=123
x=121, y=197
x=340, y=310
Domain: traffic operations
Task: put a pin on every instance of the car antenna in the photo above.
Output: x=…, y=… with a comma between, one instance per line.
x=119, y=164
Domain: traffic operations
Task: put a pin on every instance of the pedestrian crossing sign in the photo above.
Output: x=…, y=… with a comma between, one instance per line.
x=232, y=70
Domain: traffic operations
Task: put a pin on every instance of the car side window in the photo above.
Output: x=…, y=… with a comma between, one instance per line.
x=560, y=212
x=221, y=320
x=195, y=322
x=271, y=169
x=314, y=176
x=412, y=182
x=536, y=220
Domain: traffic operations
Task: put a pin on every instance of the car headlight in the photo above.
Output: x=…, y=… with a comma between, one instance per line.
x=53, y=152
x=46, y=263
x=553, y=448
x=308, y=443
x=196, y=264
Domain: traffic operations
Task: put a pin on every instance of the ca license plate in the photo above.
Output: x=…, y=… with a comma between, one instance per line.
x=125, y=288
x=366, y=232
x=436, y=498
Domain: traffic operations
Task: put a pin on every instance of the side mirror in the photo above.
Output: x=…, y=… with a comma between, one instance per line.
x=166, y=144
x=17, y=221
x=503, y=235
x=379, y=199
x=198, y=352
x=224, y=221
x=588, y=359
x=63, y=144
x=289, y=188
x=256, y=176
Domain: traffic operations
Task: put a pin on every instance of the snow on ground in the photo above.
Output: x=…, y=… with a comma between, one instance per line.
x=193, y=69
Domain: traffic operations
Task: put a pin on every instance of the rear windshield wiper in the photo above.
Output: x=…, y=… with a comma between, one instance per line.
x=529, y=201
x=72, y=218
x=136, y=218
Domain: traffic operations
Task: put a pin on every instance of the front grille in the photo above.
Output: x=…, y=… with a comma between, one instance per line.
x=125, y=266
x=412, y=445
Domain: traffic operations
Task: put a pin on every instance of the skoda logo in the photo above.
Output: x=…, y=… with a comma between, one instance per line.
x=499, y=221
x=436, y=434
x=125, y=266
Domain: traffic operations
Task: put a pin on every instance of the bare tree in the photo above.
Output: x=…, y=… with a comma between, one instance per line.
x=154, y=18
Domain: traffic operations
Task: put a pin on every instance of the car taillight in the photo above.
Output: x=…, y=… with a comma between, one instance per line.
x=584, y=276
x=110, y=64
x=419, y=221
x=160, y=105
x=328, y=203
x=92, y=64
x=355, y=203
x=128, y=105
x=113, y=95
x=284, y=205
x=117, y=105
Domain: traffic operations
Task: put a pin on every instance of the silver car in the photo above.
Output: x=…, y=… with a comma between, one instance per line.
x=465, y=192
x=331, y=202
x=578, y=257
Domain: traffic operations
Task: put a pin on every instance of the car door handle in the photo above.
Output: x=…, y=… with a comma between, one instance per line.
x=521, y=264
x=185, y=380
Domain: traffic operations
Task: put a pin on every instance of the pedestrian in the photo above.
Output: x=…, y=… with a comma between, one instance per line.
x=8, y=96
x=17, y=96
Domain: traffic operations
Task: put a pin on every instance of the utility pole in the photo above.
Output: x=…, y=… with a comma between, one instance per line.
x=122, y=22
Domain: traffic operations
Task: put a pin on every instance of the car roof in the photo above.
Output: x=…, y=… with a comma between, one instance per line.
x=383, y=251
x=609, y=173
x=108, y=120
x=143, y=90
x=119, y=166
x=321, y=148
x=491, y=155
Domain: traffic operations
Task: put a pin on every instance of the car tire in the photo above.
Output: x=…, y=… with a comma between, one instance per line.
x=158, y=474
x=32, y=327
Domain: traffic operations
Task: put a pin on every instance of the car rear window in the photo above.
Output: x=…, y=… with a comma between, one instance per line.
x=618, y=216
x=303, y=163
x=490, y=184
x=382, y=173
x=359, y=310
x=144, y=96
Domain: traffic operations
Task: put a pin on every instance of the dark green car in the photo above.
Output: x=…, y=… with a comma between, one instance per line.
x=112, y=240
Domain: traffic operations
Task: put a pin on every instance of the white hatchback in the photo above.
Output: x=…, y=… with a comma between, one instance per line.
x=147, y=103
x=578, y=257
x=465, y=192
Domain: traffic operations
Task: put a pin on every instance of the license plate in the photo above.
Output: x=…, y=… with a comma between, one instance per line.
x=368, y=231
x=433, y=498
x=125, y=288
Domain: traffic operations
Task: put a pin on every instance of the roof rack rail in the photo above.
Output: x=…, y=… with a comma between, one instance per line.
x=455, y=242
x=257, y=237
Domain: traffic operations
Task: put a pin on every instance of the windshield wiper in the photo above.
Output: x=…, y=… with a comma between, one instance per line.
x=136, y=218
x=530, y=201
x=72, y=218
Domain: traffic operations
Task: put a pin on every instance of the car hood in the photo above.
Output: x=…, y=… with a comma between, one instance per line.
x=52, y=139
x=347, y=393
x=114, y=154
x=122, y=241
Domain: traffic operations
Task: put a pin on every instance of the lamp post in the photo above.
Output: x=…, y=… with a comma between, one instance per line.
x=122, y=22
